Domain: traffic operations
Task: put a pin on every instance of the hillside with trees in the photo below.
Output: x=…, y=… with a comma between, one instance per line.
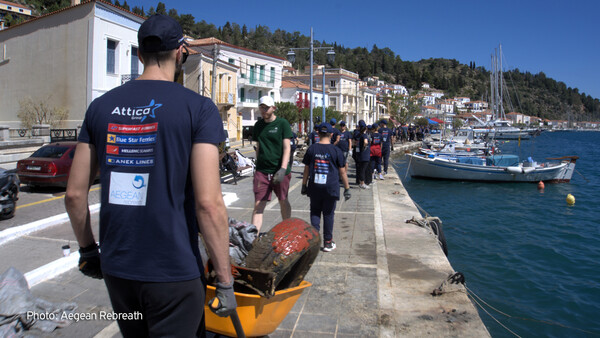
x=530, y=94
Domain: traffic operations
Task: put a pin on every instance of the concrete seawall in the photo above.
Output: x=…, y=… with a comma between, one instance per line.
x=416, y=265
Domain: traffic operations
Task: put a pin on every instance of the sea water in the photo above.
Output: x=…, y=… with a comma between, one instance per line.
x=532, y=259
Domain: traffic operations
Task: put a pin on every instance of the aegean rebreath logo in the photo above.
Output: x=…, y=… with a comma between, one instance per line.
x=138, y=113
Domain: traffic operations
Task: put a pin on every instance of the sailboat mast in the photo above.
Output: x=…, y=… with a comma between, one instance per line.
x=502, y=116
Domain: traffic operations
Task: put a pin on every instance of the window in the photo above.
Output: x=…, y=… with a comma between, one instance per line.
x=272, y=74
x=332, y=84
x=134, y=61
x=232, y=61
x=262, y=73
x=111, y=53
x=242, y=94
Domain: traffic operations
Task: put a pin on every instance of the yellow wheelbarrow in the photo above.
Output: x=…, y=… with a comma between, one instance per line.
x=258, y=315
x=275, y=272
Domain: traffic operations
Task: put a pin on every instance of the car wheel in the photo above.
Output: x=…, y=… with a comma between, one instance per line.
x=11, y=206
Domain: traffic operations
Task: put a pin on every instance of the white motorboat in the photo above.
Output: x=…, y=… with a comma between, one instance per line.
x=495, y=168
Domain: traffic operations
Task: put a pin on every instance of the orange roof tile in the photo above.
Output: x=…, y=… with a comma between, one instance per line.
x=215, y=41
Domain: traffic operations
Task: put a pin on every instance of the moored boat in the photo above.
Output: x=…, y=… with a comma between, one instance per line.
x=495, y=168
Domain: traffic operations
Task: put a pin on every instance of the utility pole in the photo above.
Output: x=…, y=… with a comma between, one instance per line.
x=214, y=74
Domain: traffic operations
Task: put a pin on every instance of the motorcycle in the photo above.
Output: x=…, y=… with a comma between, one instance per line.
x=9, y=191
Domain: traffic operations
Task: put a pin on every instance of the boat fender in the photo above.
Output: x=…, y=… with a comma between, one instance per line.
x=527, y=170
x=514, y=170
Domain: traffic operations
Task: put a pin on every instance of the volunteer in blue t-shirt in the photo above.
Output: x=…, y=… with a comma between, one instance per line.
x=344, y=141
x=324, y=166
x=363, y=156
x=387, y=139
x=155, y=143
x=313, y=136
x=335, y=136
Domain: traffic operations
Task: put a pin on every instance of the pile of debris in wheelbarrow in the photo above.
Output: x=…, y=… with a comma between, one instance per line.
x=268, y=272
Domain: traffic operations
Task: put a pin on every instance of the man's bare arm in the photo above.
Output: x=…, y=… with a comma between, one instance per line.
x=210, y=208
x=81, y=177
x=287, y=148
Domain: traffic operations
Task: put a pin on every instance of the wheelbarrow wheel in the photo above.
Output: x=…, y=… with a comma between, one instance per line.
x=288, y=250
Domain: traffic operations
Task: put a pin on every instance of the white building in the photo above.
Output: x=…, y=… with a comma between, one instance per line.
x=259, y=74
x=67, y=58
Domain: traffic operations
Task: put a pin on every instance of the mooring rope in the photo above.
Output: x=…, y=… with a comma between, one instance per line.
x=472, y=295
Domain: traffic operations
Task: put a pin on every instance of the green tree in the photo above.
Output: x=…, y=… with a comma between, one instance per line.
x=422, y=122
x=288, y=111
x=457, y=123
x=161, y=8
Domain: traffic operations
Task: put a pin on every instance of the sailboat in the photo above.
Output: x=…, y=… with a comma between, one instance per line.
x=502, y=128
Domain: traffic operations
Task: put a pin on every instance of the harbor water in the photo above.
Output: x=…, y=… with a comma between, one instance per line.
x=533, y=260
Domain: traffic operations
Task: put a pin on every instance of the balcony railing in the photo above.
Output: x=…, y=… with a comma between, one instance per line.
x=249, y=103
x=128, y=77
x=225, y=98
x=255, y=82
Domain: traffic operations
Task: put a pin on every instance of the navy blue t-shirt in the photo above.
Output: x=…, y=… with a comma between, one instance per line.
x=356, y=138
x=334, y=136
x=386, y=137
x=313, y=137
x=143, y=133
x=376, y=139
x=364, y=151
x=324, y=161
x=344, y=143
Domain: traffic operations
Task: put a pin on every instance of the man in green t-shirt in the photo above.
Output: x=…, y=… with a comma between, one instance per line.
x=273, y=172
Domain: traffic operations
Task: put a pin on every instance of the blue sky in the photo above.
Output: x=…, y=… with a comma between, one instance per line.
x=560, y=38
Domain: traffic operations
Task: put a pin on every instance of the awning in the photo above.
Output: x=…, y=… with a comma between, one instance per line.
x=436, y=120
x=431, y=121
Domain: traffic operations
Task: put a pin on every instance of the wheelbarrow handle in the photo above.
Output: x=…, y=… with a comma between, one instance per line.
x=235, y=319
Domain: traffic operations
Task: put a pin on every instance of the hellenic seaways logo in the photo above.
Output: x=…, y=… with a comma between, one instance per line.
x=138, y=113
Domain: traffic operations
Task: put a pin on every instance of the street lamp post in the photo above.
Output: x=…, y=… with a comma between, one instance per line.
x=291, y=56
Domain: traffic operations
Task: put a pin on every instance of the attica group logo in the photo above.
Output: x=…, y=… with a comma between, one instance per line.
x=138, y=113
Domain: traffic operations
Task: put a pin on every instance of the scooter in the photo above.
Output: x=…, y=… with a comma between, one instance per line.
x=9, y=191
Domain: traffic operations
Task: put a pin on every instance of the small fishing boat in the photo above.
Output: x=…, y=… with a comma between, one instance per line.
x=494, y=168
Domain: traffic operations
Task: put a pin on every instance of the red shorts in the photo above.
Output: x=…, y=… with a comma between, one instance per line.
x=263, y=186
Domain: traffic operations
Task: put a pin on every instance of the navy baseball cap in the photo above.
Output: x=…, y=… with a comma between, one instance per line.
x=342, y=123
x=383, y=121
x=362, y=124
x=325, y=128
x=333, y=121
x=160, y=33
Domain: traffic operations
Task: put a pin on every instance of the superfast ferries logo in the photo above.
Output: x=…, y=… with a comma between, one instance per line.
x=138, y=113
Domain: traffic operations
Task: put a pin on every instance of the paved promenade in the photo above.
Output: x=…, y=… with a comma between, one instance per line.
x=377, y=283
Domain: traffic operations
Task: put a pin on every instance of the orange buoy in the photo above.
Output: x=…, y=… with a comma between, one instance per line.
x=541, y=185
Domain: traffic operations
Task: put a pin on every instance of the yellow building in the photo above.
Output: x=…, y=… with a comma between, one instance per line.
x=198, y=76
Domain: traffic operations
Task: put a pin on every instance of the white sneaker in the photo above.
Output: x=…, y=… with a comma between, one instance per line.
x=381, y=177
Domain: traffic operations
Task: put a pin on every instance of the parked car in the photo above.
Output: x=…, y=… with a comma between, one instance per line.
x=48, y=166
x=9, y=191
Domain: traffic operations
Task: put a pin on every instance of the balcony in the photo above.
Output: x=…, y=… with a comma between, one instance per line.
x=128, y=77
x=347, y=107
x=254, y=82
x=247, y=103
x=225, y=98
